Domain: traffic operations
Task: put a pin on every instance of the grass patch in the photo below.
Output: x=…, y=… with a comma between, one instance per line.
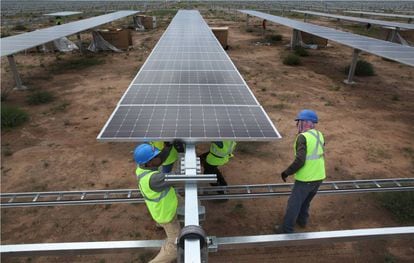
x=76, y=64
x=40, y=97
x=363, y=68
x=12, y=116
x=292, y=60
x=60, y=107
x=301, y=51
x=400, y=204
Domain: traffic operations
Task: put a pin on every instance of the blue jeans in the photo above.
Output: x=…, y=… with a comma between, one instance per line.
x=297, y=210
x=167, y=168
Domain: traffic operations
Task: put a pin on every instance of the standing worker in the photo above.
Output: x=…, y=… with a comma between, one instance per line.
x=309, y=170
x=171, y=151
x=160, y=198
x=219, y=154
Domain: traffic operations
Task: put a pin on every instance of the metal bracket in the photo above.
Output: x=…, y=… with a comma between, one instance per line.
x=16, y=75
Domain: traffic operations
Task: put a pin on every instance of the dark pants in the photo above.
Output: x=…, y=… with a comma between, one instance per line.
x=212, y=169
x=297, y=210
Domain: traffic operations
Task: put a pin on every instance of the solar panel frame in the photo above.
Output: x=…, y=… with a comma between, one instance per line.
x=379, y=14
x=395, y=52
x=251, y=103
x=64, y=13
x=359, y=20
x=13, y=44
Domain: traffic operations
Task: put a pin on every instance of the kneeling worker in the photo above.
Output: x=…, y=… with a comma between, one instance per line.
x=219, y=154
x=160, y=197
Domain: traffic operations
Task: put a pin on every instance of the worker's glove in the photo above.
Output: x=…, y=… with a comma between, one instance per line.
x=178, y=145
x=284, y=175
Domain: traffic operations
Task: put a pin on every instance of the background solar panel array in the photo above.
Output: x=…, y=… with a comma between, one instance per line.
x=359, y=19
x=385, y=49
x=14, y=44
x=188, y=89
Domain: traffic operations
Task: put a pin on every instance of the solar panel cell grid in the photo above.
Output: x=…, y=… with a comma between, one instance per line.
x=188, y=89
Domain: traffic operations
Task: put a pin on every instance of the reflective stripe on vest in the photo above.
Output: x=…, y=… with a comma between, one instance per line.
x=314, y=167
x=314, y=155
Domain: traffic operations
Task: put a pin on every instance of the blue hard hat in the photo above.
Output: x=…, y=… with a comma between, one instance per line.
x=145, y=153
x=307, y=115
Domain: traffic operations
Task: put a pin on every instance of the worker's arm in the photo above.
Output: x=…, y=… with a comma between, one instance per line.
x=300, y=159
x=158, y=183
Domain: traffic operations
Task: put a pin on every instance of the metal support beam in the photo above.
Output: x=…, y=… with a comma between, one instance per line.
x=78, y=36
x=247, y=21
x=94, y=197
x=352, y=68
x=192, y=251
x=296, y=39
x=312, y=238
x=204, y=178
x=217, y=243
x=305, y=17
x=15, y=73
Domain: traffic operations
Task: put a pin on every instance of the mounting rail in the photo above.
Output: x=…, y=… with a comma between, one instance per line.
x=93, y=197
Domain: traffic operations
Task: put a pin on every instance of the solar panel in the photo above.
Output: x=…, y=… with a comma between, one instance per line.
x=64, y=13
x=14, y=44
x=389, y=50
x=359, y=20
x=380, y=14
x=188, y=89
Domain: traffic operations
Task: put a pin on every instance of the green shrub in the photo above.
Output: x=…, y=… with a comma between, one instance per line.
x=20, y=27
x=12, y=116
x=363, y=68
x=301, y=51
x=77, y=63
x=274, y=38
x=400, y=204
x=291, y=60
x=40, y=97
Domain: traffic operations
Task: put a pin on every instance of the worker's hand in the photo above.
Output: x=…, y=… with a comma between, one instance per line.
x=284, y=175
x=178, y=145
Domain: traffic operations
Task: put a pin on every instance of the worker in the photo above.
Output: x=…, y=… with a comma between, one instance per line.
x=172, y=153
x=219, y=154
x=160, y=197
x=309, y=170
x=58, y=20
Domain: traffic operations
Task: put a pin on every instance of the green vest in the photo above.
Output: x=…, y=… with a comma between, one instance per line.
x=220, y=156
x=161, y=205
x=172, y=156
x=314, y=168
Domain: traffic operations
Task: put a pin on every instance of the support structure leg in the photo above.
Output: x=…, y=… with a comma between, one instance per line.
x=247, y=21
x=352, y=67
x=295, y=40
x=79, y=42
x=17, y=79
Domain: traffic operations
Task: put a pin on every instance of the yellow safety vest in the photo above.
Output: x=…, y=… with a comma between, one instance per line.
x=314, y=168
x=161, y=205
x=172, y=156
x=220, y=156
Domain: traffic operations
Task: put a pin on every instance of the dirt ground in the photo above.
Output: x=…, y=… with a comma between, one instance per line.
x=368, y=129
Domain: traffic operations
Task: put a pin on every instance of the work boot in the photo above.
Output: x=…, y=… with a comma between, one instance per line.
x=301, y=224
x=278, y=229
